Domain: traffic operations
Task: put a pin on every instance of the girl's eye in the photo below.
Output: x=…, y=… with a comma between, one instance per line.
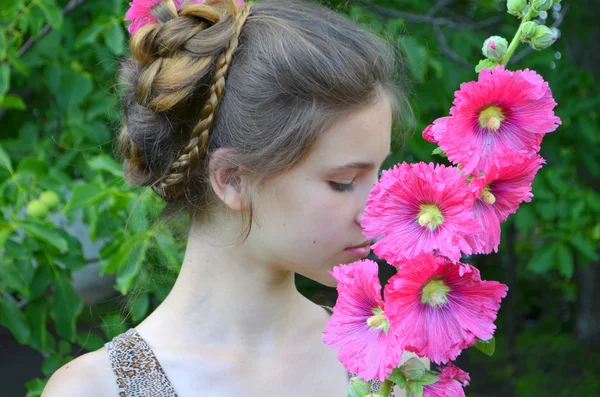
x=341, y=187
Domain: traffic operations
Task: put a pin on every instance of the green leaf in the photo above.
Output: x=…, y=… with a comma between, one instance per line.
x=45, y=233
x=17, y=63
x=137, y=221
x=416, y=389
x=66, y=307
x=73, y=258
x=565, y=262
x=105, y=163
x=525, y=218
x=89, y=341
x=81, y=195
x=129, y=269
x=428, y=379
x=416, y=55
x=35, y=387
x=12, y=102
x=42, y=278
x=115, y=38
x=36, y=314
x=485, y=64
x=543, y=259
x=113, y=325
x=438, y=151
x=585, y=247
x=112, y=255
x=5, y=160
x=16, y=274
x=51, y=12
x=64, y=347
x=139, y=306
x=4, y=79
x=13, y=319
x=88, y=35
x=486, y=346
x=397, y=377
x=52, y=363
x=32, y=166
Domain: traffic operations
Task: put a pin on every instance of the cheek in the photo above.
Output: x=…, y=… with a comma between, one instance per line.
x=311, y=216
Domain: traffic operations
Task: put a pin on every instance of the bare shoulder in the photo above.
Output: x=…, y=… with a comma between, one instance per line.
x=87, y=375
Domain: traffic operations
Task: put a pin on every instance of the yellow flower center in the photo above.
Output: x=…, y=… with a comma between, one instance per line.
x=434, y=293
x=491, y=118
x=378, y=320
x=488, y=196
x=430, y=216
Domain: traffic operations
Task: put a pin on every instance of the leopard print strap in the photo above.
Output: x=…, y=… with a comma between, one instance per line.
x=138, y=372
x=375, y=386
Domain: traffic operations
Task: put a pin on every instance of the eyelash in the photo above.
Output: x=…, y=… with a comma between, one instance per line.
x=342, y=187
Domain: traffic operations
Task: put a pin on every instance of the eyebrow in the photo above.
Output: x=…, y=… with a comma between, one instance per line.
x=361, y=165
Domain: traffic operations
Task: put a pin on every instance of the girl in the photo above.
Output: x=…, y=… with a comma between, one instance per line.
x=267, y=124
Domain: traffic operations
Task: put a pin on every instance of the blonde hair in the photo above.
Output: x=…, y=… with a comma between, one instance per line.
x=289, y=70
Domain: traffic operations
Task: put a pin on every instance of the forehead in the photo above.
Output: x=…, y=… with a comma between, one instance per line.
x=362, y=135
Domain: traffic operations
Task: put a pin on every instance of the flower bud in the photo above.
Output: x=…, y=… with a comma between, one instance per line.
x=413, y=369
x=543, y=37
x=494, y=48
x=528, y=30
x=542, y=5
x=428, y=134
x=358, y=387
x=516, y=7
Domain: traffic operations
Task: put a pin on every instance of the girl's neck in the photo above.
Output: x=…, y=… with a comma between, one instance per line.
x=226, y=296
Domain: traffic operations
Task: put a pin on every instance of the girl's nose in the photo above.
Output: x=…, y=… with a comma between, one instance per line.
x=359, y=217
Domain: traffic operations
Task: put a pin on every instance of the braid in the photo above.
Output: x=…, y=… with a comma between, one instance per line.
x=170, y=186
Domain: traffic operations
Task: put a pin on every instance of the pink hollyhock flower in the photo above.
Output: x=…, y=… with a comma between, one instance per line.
x=505, y=185
x=428, y=134
x=140, y=14
x=439, y=308
x=359, y=325
x=451, y=383
x=504, y=111
x=420, y=208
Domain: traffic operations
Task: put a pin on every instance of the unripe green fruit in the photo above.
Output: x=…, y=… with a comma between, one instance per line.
x=543, y=37
x=50, y=199
x=516, y=7
x=37, y=209
x=542, y=5
x=528, y=30
x=494, y=48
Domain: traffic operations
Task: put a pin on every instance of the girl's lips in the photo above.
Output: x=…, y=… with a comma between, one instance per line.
x=359, y=252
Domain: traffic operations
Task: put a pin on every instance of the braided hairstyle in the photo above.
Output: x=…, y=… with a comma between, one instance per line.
x=291, y=69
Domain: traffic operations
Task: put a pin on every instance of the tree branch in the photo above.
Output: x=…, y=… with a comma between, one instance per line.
x=435, y=21
x=446, y=50
x=438, y=6
x=46, y=29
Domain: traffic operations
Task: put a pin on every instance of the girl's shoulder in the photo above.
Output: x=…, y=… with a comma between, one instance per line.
x=87, y=375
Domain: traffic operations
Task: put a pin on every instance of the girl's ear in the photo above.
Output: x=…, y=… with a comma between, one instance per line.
x=226, y=178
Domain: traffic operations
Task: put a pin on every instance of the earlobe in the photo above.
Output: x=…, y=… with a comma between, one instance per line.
x=226, y=182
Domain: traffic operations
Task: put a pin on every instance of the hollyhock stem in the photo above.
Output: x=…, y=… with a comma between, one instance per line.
x=385, y=388
x=517, y=39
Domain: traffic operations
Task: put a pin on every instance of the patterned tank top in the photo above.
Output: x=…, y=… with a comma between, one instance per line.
x=138, y=372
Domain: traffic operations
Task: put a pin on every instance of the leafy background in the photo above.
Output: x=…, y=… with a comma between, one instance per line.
x=100, y=261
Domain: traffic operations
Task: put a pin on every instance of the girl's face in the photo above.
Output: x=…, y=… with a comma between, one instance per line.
x=309, y=217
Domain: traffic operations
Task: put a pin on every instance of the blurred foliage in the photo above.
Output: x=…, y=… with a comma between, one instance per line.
x=60, y=115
